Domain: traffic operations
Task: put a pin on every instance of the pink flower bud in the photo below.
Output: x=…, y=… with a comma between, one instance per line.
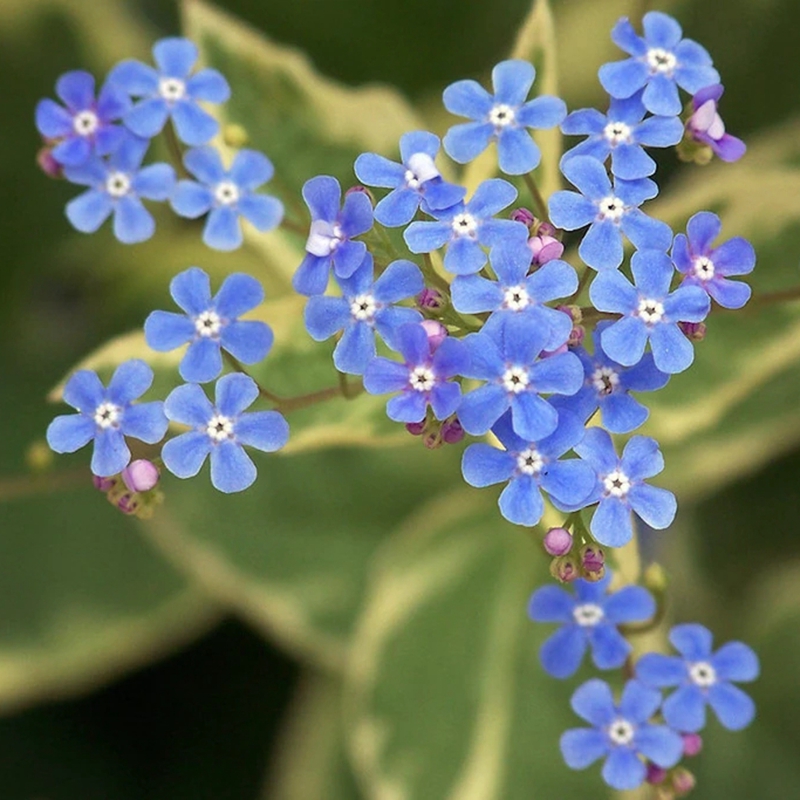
x=683, y=782
x=103, y=484
x=432, y=439
x=432, y=299
x=594, y=577
x=655, y=774
x=416, y=428
x=48, y=165
x=524, y=216
x=437, y=332
x=452, y=432
x=141, y=475
x=544, y=248
x=592, y=558
x=558, y=541
x=576, y=336
x=692, y=744
x=128, y=503
x=564, y=569
x=696, y=331
x=547, y=229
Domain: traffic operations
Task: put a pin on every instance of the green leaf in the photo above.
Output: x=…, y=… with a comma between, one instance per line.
x=444, y=695
x=83, y=598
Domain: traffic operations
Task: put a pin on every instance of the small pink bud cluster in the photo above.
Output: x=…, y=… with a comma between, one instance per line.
x=676, y=782
x=695, y=331
x=132, y=491
x=544, y=245
x=578, y=332
x=431, y=300
x=589, y=563
x=435, y=434
x=47, y=164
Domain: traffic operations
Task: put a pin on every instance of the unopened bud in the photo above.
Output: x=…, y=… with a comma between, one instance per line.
x=141, y=475
x=594, y=576
x=573, y=312
x=127, y=503
x=235, y=135
x=564, y=569
x=592, y=558
x=558, y=541
x=524, y=216
x=437, y=332
x=692, y=744
x=655, y=774
x=48, y=165
x=696, y=331
x=431, y=299
x=547, y=229
x=416, y=428
x=104, y=484
x=452, y=432
x=544, y=248
x=432, y=438
x=359, y=189
x=576, y=336
x=683, y=782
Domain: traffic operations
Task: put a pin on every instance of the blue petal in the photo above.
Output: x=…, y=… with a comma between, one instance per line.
x=561, y=374
x=250, y=169
x=248, y=341
x=348, y=257
x=374, y=170
x=191, y=290
x=584, y=122
x=646, y=232
x=134, y=77
x=445, y=398
x=147, y=118
x=397, y=208
x=52, y=120
x=734, y=709
x=355, y=349
x=662, y=746
x=145, y=421
x=598, y=449
x=594, y=702
x=571, y=211
x=451, y=358
x=205, y=163
x=609, y=647
x=191, y=199
x=623, y=78
x=533, y=417
x=512, y=80
x=688, y=304
x=625, y=340
x=625, y=37
x=222, y=230
x=623, y=769
x=175, y=56
x=491, y=197
x=521, y=501
x=661, y=96
x=322, y=195
x=464, y=256
x=418, y=142
x=611, y=523
x=155, y=182
x=408, y=406
x=234, y=393
x=76, y=89
x=685, y=709
x=383, y=376
x=481, y=408
x=84, y=391
x=88, y=211
x=657, y=507
x=735, y=661
x=551, y=604
x=621, y=413
x=472, y=294
x=401, y=279
x=131, y=380
x=238, y=294
x=661, y=30
x=641, y=458
x=202, y=361
x=629, y=162
x=188, y=405
x=72, y=152
x=660, y=131
x=644, y=377
x=389, y=320
x=232, y=470
x=542, y=112
x=569, y=482
x=208, y=85
x=111, y=455
x=467, y=99
x=356, y=216
x=517, y=152
x=69, y=432
x=185, y=454
x=412, y=341
x=267, y=431
x=654, y=669
x=130, y=155
x=692, y=641
x=581, y=747
x=601, y=247
x=629, y=604
x=672, y=351
x=325, y=315
x=486, y=360
x=551, y=281
x=133, y=223
x=467, y=141
x=193, y=125
x=263, y=212
x=439, y=194
x=729, y=294
x=311, y=277
x=561, y=655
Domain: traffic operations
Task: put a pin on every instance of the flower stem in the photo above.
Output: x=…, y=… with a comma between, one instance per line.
x=584, y=279
x=293, y=227
x=536, y=196
x=265, y=393
x=175, y=151
x=432, y=275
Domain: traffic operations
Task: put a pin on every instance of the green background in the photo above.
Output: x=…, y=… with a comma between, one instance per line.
x=355, y=627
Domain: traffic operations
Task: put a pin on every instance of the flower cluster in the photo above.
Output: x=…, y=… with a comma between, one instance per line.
x=100, y=140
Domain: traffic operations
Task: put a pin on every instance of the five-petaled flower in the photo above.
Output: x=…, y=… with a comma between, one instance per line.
x=221, y=430
x=84, y=125
x=703, y=678
x=621, y=733
x=706, y=126
x=210, y=324
x=413, y=182
x=367, y=306
x=502, y=117
x=589, y=619
x=107, y=416
x=659, y=63
x=171, y=91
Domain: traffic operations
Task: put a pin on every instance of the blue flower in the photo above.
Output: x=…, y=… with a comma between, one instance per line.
x=709, y=267
x=423, y=379
x=464, y=228
x=170, y=92
x=650, y=312
x=621, y=489
x=107, y=416
x=221, y=430
x=502, y=117
x=508, y=359
x=621, y=734
x=622, y=133
x=227, y=194
x=589, y=618
x=415, y=181
x=530, y=468
x=330, y=240
x=516, y=292
x=116, y=186
x=607, y=386
x=210, y=324
x=659, y=61
x=609, y=213
x=86, y=125
x=365, y=308
x=703, y=678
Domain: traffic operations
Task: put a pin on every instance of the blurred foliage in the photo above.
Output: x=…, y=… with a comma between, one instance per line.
x=399, y=592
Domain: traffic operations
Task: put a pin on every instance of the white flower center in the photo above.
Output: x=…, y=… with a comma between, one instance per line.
x=611, y=208
x=107, y=415
x=515, y=379
x=464, y=225
x=587, y=615
x=617, y=133
x=501, y=115
x=363, y=307
x=85, y=123
x=702, y=674
x=516, y=298
x=208, y=324
x=220, y=428
x=171, y=89
x=703, y=268
x=227, y=193
x=620, y=731
x=323, y=238
x=616, y=484
x=530, y=462
x=420, y=169
x=650, y=311
x=422, y=379
x=605, y=380
x=661, y=61
x=118, y=184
